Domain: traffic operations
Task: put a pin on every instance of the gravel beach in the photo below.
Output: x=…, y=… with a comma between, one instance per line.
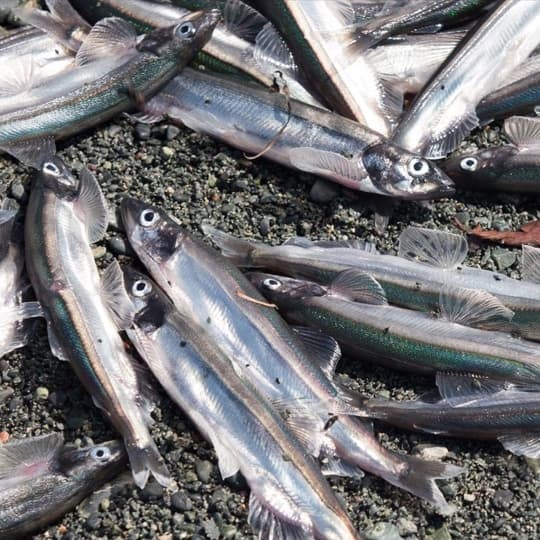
x=199, y=180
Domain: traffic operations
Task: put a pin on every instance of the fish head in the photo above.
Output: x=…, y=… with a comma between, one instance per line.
x=93, y=463
x=402, y=174
x=56, y=176
x=487, y=163
x=185, y=37
x=151, y=304
x=284, y=291
x=152, y=233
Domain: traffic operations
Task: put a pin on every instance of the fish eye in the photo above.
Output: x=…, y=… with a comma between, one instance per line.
x=141, y=288
x=100, y=453
x=149, y=218
x=469, y=164
x=272, y=284
x=418, y=167
x=185, y=30
x=50, y=168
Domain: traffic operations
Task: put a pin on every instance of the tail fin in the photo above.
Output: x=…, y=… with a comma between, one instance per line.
x=418, y=477
x=236, y=249
x=145, y=460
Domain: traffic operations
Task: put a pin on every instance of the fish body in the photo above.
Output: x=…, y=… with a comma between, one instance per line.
x=445, y=112
x=428, y=259
x=401, y=338
x=64, y=216
x=247, y=434
x=296, y=135
x=155, y=59
x=42, y=479
x=284, y=367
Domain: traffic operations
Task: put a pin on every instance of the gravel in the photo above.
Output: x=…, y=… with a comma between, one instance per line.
x=199, y=180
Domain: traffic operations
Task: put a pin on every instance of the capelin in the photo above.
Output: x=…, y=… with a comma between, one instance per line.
x=404, y=175
x=194, y=29
x=55, y=175
x=284, y=290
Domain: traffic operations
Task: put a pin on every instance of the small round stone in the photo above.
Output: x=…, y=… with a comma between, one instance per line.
x=204, y=470
x=41, y=393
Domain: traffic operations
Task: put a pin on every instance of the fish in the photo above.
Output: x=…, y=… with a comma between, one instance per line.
x=154, y=59
x=427, y=260
x=41, y=479
x=288, y=492
x=15, y=314
x=319, y=35
x=444, y=113
x=84, y=313
x=284, y=365
x=471, y=408
x=431, y=16
x=297, y=135
x=472, y=333
x=512, y=167
x=237, y=46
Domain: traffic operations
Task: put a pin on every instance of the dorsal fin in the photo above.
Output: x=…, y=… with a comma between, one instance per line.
x=31, y=152
x=456, y=387
x=358, y=287
x=270, y=48
x=242, y=20
x=116, y=297
x=323, y=350
x=91, y=202
x=474, y=308
x=523, y=132
x=530, y=263
x=19, y=78
x=440, y=249
x=522, y=444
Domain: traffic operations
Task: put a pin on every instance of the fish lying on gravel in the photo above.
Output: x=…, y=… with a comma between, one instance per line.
x=285, y=366
x=512, y=167
x=145, y=65
x=228, y=51
x=471, y=408
x=289, y=496
x=444, y=113
x=64, y=216
x=298, y=135
x=428, y=259
x=41, y=480
x=353, y=309
x=14, y=313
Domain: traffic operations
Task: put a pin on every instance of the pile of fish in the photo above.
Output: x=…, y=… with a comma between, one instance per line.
x=318, y=85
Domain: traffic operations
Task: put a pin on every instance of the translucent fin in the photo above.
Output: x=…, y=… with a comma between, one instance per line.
x=335, y=466
x=23, y=459
x=31, y=152
x=530, y=263
x=92, y=203
x=236, y=249
x=54, y=344
x=303, y=242
x=19, y=78
x=267, y=525
x=270, y=48
x=522, y=444
x=109, y=37
x=146, y=460
x=392, y=98
x=328, y=164
x=227, y=460
x=474, y=308
x=523, y=131
x=436, y=248
x=9, y=317
x=343, y=16
x=6, y=226
x=242, y=20
x=116, y=297
x=322, y=349
x=455, y=387
x=358, y=287
x=439, y=146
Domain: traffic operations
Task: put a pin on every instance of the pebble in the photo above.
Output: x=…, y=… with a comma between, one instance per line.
x=172, y=132
x=99, y=251
x=119, y=246
x=502, y=498
x=504, y=258
x=152, y=490
x=534, y=465
x=469, y=497
x=241, y=185
x=93, y=522
x=406, y=527
x=180, y=501
x=264, y=226
x=440, y=534
x=382, y=531
x=430, y=452
x=167, y=152
x=142, y=131
x=41, y=393
x=114, y=130
x=323, y=191
x=17, y=190
x=204, y=470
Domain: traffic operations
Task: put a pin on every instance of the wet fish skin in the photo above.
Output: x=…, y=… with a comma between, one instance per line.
x=400, y=338
x=247, y=434
x=64, y=216
x=253, y=120
x=51, y=480
x=207, y=289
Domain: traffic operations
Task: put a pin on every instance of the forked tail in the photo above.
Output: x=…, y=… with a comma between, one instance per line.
x=145, y=460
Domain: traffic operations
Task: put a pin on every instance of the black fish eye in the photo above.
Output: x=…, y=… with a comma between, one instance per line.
x=185, y=30
x=51, y=168
x=272, y=284
x=469, y=164
x=101, y=453
x=141, y=288
x=418, y=167
x=148, y=218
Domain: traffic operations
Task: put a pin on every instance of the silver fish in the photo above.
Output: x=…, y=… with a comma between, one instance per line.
x=298, y=135
x=285, y=366
x=64, y=216
x=41, y=480
x=445, y=112
x=246, y=433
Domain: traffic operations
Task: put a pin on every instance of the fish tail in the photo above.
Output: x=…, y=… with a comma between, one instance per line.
x=145, y=460
x=237, y=250
x=418, y=477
